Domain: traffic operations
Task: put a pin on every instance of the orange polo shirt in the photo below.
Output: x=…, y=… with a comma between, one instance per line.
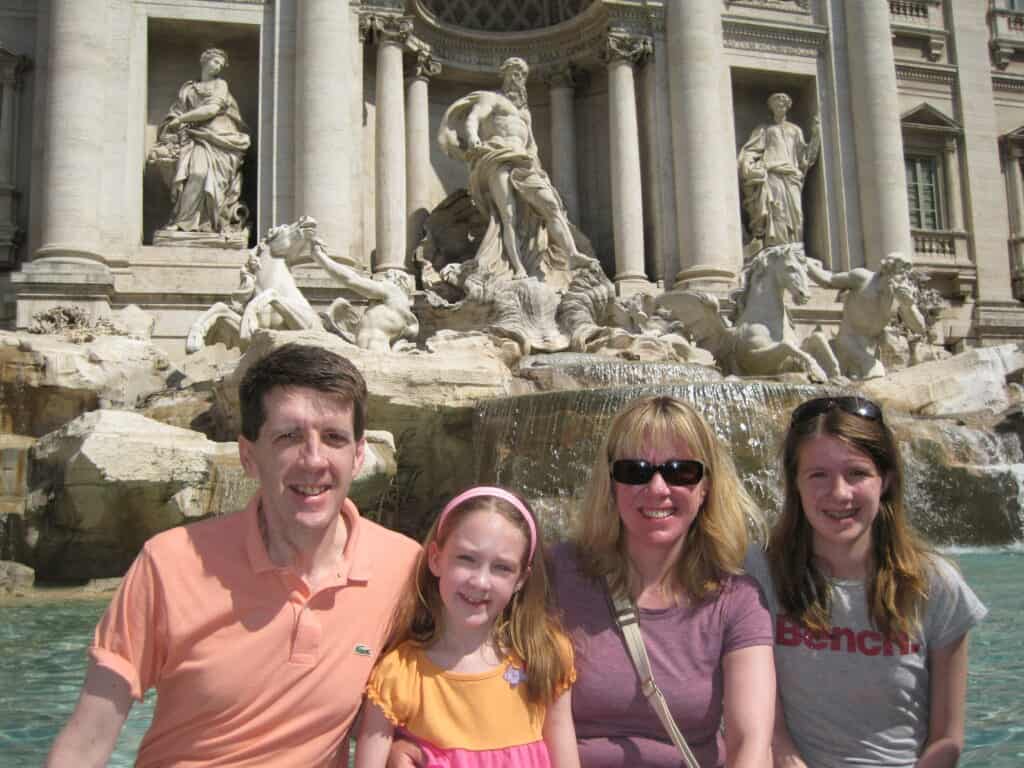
x=251, y=668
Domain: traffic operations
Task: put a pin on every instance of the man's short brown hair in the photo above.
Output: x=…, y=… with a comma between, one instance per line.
x=301, y=365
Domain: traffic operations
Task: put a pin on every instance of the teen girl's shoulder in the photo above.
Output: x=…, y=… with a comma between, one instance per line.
x=952, y=607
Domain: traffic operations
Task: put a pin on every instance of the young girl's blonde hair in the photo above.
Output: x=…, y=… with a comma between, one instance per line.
x=527, y=628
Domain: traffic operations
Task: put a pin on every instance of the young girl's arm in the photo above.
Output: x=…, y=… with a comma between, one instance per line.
x=946, y=718
x=560, y=733
x=749, y=706
x=375, y=735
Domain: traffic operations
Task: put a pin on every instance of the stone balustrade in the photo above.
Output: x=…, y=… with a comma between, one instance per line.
x=917, y=12
x=921, y=19
x=940, y=247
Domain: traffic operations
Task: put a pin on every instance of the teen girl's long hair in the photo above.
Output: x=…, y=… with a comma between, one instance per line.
x=528, y=628
x=897, y=585
x=717, y=540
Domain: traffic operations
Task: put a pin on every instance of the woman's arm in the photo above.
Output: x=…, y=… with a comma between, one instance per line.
x=784, y=751
x=375, y=735
x=749, y=704
x=948, y=696
x=560, y=733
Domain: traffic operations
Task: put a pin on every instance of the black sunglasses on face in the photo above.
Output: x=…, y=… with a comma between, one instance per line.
x=851, y=404
x=673, y=471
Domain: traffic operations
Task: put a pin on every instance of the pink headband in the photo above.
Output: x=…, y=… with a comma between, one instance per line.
x=501, y=493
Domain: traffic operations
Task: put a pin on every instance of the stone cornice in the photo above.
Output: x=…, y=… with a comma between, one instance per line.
x=939, y=74
x=792, y=6
x=794, y=40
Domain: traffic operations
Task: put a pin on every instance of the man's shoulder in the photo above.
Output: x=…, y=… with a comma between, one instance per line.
x=218, y=530
x=378, y=536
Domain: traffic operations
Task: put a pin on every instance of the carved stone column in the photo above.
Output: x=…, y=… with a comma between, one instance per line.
x=563, y=139
x=327, y=124
x=622, y=53
x=75, y=129
x=696, y=72
x=1015, y=155
x=417, y=144
x=881, y=177
x=11, y=68
x=954, y=200
x=390, y=33
x=661, y=235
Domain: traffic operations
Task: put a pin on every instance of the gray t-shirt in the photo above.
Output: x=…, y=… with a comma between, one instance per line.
x=850, y=696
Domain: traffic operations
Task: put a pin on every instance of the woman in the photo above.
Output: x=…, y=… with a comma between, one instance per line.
x=664, y=523
x=203, y=139
x=871, y=626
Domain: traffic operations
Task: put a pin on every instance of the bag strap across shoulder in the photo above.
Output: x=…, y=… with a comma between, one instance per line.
x=625, y=613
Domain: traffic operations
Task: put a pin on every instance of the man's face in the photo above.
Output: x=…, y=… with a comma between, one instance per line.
x=304, y=458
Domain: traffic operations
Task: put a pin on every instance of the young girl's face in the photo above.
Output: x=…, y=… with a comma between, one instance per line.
x=479, y=568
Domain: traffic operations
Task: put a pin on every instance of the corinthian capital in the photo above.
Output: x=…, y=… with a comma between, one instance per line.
x=425, y=65
x=385, y=28
x=620, y=46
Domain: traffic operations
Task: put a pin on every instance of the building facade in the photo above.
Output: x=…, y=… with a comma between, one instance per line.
x=640, y=109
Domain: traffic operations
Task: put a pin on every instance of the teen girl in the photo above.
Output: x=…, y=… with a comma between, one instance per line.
x=479, y=671
x=870, y=625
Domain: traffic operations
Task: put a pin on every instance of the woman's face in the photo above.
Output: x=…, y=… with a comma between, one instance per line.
x=840, y=491
x=656, y=515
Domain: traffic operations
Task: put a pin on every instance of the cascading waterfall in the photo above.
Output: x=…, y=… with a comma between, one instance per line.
x=963, y=483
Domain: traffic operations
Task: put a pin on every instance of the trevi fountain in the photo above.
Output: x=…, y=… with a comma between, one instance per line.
x=495, y=351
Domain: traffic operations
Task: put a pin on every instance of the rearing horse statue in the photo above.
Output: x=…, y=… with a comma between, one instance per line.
x=762, y=342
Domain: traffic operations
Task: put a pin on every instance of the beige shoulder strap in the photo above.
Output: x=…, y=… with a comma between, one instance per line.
x=625, y=616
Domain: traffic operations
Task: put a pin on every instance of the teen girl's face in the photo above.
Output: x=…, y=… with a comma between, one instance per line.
x=479, y=568
x=840, y=490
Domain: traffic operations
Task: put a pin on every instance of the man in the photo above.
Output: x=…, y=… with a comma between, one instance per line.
x=493, y=132
x=257, y=629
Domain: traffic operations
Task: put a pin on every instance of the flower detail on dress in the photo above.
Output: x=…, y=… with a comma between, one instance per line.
x=514, y=675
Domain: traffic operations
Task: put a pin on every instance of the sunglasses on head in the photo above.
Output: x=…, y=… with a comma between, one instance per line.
x=673, y=471
x=851, y=404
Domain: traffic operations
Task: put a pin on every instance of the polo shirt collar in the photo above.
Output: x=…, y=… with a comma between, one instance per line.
x=357, y=561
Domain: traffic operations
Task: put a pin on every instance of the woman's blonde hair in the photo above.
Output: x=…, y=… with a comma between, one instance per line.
x=528, y=627
x=898, y=581
x=717, y=540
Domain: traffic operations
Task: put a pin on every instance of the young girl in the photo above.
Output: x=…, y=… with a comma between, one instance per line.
x=870, y=625
x=478, y=672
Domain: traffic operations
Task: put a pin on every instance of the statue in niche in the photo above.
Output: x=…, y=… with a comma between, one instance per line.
x=200, y=147
x=528, y=232
x=870, y=301
x=772, y=166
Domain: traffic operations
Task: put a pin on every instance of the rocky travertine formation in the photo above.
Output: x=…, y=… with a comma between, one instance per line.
x=971, y=382
x=46, y=381
x=107, y=481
